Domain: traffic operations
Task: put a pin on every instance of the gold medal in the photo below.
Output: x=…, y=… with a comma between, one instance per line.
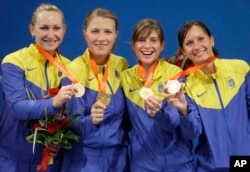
x=104, y=98
x=173, y=86
x=80, y=89
x=145, y=92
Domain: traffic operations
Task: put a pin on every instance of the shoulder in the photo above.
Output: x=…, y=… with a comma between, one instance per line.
x=168, y=68
x=118, y=61
x=16, y=56
x=233, y=64
x=130, y=71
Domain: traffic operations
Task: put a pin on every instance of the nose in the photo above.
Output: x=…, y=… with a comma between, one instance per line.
x=147, y=44
x=50, y=32
x=101, y=36
x=196, y=45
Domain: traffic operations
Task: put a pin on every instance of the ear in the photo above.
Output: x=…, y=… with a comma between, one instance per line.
x=133, y=45
x=116, y=34
x=64, y=27
x=212, y=41
x=31, y=28
x=162, y=45
x=84, y=33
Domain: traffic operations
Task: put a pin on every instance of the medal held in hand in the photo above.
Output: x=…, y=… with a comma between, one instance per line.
x=104, y=98
x=80, y=89
x=145, y=92
x=173, y=86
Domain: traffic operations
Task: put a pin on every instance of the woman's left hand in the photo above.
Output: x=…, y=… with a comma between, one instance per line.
x=153, y=104
x=54, y=148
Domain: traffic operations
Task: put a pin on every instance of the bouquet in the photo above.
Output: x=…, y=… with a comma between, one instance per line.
x=51, y=129
x=180, y=60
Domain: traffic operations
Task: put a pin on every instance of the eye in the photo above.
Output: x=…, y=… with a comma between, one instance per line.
x=57, y=28
x=108, y=32
x=154, y=40
x=200, y=39
x=44, y=28
x=141, y=39
x=189, y=43
x=95, y=31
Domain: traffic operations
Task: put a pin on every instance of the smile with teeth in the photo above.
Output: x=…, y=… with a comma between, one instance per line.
x=147, y=52
x=50, y=41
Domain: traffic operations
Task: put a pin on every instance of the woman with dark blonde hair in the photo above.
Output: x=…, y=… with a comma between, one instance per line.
x=103, y=144
x=164, y=120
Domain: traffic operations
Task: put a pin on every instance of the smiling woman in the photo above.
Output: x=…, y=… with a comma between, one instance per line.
x=159, y=122
x=103, y=138
x=220, y=89
x=29, y=71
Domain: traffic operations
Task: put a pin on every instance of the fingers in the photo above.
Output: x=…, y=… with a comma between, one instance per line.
x=153, y=105
x=97, y=113
x=54, y=148
x=65, y=93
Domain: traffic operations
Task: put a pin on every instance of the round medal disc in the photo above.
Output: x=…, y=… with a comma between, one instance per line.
x=145, y=92
x=104, y=98
x=173, y=86
x=80, y=89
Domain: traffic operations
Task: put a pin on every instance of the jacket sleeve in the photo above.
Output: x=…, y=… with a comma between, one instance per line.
x=247, y=80
x=190, y=124
x=168, y=117
x=13, y=83
x=76, y=108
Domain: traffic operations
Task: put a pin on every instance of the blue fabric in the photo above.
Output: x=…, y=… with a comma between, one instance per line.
x=101, y=147
x=25, y=71
x=164, y=142
x=223, y=101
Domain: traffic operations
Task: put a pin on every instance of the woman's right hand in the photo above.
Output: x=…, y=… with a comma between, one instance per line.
x=97, y=112
x=64, y=94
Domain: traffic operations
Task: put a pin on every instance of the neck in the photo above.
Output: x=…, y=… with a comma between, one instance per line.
x=52, y=53
x=100, y=61
x=209, y=68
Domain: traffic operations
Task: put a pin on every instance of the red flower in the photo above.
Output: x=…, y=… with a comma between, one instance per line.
x=180, y=52
x=180, y=60
x=53, y=127
x=37, y=125
x=53, y=91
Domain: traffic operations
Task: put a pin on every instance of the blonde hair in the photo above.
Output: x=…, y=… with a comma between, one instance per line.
x=100, y=12
x=45, y=7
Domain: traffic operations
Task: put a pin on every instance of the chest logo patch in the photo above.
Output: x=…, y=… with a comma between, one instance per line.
x=231, y=82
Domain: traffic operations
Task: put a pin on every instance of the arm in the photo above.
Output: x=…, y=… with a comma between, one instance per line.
x=76, y=108
x=14, y=88
x=190, y=124
x=248, y=92
x=167, y=117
